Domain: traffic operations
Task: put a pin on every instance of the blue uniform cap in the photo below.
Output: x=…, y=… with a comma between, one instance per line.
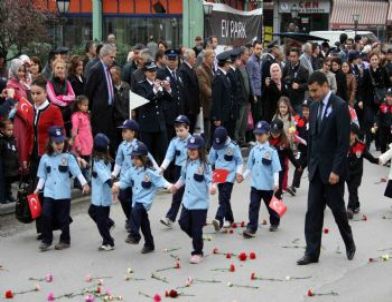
x=182, y=119
x=130, y=124
x=195, y=142
x=220, y=137
x=171, y=54
x=150, y=66
x=276, y=126
x=139, y=150
x=389, y=91
x=101, y=142
x=56, y=134
x=224, y=56
x=262, y=127
x=306, y=103
x=353, y=55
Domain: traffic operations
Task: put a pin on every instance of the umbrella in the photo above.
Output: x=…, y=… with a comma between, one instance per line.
x=301, y=37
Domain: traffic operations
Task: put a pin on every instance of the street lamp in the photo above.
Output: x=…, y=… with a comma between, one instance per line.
x=62, y=9
x=207, y=8
x=356, y=20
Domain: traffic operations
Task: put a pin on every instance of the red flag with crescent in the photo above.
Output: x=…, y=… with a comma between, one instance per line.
x=278, y=206
x=34, y=205
x=25, y=109
x=219, y=175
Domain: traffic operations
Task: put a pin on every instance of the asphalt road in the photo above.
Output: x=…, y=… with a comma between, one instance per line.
x=276, y=255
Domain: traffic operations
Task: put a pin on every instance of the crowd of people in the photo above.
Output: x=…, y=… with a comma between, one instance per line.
x=72, y=119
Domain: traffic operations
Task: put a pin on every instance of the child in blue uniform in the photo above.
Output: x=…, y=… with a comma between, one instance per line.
x=144, y=183
x=264, y=165
x=101, y=186
x=225, y=154
x=177, y=151
x=54, y=171
x=123, y=163
x=197, y=177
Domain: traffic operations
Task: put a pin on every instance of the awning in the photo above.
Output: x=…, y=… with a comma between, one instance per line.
x=371, y=13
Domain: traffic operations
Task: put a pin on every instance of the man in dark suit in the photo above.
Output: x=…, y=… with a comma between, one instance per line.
x=222, y=98
x=189, y=87
x=172, y=107
x=329, y=133
x=150, y=116
x=100, y=91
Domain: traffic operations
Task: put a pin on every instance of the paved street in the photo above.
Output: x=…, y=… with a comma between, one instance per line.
x=353, y=281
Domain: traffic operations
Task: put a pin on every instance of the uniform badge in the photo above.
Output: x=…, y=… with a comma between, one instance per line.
x=267, y=155
x=200, y=170
x=217, y=140
x=58, y=132
x=192, y=140
x=146, y=178
x=64, y=161
x=229, y=151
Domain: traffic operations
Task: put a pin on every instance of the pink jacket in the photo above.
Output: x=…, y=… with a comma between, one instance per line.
x=81, y=131
x=20, y=89
x=60, y=100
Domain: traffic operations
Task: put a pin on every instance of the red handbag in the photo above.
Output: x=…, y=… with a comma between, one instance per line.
x=278, y=206
x=34, y=205
x=219, y=176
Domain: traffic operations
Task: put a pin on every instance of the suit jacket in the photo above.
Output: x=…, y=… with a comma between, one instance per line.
x=236, y=89
x=329, y=145
x=172, y=106
x=297, y=74
x=205, y=78
x=190, y=89
x=97, y=92
x=222, y=98
x=150, y=116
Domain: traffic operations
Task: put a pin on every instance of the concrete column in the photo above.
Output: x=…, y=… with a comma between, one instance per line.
x=97, y=20
x=192, y=21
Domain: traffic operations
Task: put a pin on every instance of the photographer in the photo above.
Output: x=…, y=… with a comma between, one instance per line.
x=150, y=116
x=295, y=78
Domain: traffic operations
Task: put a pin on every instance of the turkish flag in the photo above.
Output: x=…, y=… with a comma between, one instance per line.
x=278, y=206
x=25, y=109
x=34, y=205
x=219, y=175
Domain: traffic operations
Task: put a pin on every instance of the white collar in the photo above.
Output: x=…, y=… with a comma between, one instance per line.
x=190, y=66
x=171, y=70
x=326, y=98
x=151, y=83
x=232, y=67
x=223, y=71
x=42, y=106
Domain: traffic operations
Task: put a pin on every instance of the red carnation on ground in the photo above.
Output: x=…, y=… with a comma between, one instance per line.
x=215, y=251
x=157, y=298
x=252, y=255
x=253, y=276
x=173, y=293
x=178, y=265
x=326, y=230
x=364, y=218
x=234, y=225
x=309, y=293
x=242, y=224
x=242, y=256
x=231, y=231
x=228, y=255
x=232, y=268
x=9, y=294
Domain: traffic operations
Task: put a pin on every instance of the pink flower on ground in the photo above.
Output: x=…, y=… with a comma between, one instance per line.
x=49, y=278
x=89, y=298
x=157, y=298
x=252, y=255
x=215, y=250
x=88, y=278
x=51, y=297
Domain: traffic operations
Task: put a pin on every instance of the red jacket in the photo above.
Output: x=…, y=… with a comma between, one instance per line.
x=47, y=117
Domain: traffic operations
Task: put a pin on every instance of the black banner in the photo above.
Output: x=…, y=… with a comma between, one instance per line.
x=233, y=27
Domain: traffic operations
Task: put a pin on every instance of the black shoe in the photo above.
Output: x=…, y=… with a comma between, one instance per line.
x=249, y=234
x=350, y=214
x=350, y=252
x=132, y=240
x=40, y=237
x=305, y=260
x=357, y=210
x=291, y=191
x=44, y=247
x=273, y=228
x=147, y=249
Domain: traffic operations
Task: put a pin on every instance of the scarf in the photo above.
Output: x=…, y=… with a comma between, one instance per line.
x=59, y=86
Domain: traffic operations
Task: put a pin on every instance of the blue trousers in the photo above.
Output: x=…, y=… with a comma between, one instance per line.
x=224, y=211
x=139, y=220
x=100, y=215
x=55, y=210
x=192, y=223
x=254, y=208
x=125, y=197
x=177, y=197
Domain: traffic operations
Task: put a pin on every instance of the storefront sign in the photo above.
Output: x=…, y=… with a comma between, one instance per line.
x=234, y=27
x=305, y=6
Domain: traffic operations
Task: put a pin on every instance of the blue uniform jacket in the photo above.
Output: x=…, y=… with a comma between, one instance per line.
x=177, y=150
x=101, y=192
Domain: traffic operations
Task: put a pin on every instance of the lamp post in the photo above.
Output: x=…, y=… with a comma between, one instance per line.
x=294, y=10
x=207, y=8
x=356, y=20
x=62, y=9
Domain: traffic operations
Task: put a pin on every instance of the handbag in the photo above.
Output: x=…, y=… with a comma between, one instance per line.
x=250, y=123
x=378, y=92
x=278, y=206
x=22, y=209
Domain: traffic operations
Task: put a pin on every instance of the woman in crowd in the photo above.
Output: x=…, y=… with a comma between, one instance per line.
x=75, y=75
x=60, y=92
x=17, y=78
x=326, y=69
x=341, y=81
x=274, y=89
x=373, y=89
x=351, y=83
x=35, y=67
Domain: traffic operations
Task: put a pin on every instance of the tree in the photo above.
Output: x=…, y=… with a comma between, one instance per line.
x=21, y=24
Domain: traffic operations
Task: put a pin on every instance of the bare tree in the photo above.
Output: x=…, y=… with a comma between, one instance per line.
x=21, y=24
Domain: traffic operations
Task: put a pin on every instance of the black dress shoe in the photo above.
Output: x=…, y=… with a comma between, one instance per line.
x=305, y=260
x=147, y=249
x=350, y=252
